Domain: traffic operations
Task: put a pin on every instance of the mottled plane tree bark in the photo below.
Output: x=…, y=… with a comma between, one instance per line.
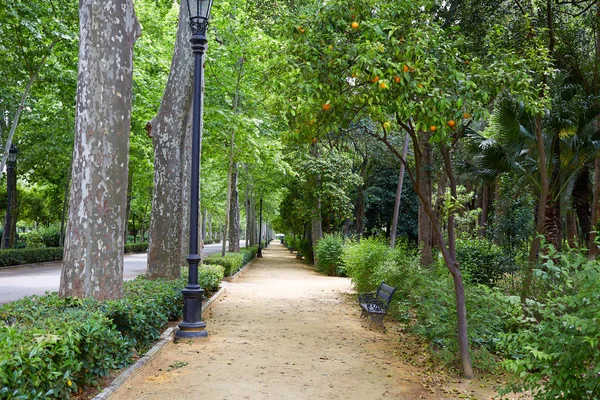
x=93, y=259
x=169, y=130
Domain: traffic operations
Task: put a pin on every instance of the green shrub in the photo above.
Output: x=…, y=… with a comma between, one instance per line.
x=10, y=257
x=136, y=247
x=557, y=341
x=304, y=247
x=42, y=237
x=482, y=261
x=362, y=258
x=232, y=262
x=210, y=276
x=49, y=347
x=329, y=255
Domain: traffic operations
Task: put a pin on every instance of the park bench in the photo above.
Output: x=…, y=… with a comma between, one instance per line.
x=375, y=304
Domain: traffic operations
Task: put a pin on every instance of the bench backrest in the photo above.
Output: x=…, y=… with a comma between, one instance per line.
x=385, y=293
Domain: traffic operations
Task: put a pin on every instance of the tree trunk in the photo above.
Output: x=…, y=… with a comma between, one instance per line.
x=571, y=223
x=234, y=213
x=541, y=212
x=93, y=257
x=229, y=186
x=398, y=194
x=582, y=197
x=168, y=132
x=61, y=240
x=485, y=202
x=359, y=207
x=10, y=223
x=128, y=204
x=595, y=208
x=316, y=231
x=424, y=177
x=15, y=120
x=204, y=214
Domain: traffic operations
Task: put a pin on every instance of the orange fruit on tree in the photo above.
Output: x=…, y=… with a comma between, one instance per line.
x=314, y=140
x=466, y=115
x=405, y=68
x=451, y=123
x=326, y=106
x=383, y=85
x=375, y=79
x=432, y=128
x=397, y=79
x=387, y=125
x=354, y=25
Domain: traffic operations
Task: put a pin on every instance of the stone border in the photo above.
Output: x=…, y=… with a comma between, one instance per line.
x=240, y=272
x=166, y=338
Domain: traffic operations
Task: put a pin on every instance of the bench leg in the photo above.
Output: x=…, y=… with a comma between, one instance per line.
x=363, y=313
x=378, y=319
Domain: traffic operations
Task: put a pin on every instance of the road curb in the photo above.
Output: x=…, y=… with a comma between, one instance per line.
x=166, y=338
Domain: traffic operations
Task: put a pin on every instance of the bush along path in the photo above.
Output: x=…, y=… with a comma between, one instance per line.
x=284, y=331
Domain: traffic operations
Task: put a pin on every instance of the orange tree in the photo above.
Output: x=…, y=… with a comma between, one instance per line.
x=390, y=62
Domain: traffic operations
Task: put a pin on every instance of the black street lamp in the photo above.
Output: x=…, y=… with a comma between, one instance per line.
x=10, y=182
x=259, y=254
x=192, y=325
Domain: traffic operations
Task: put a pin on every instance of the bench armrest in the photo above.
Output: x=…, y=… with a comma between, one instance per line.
x=367, y=297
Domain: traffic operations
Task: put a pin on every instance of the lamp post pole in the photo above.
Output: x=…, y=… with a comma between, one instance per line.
x=192, y=325
x=259, y=254
x=10, y=183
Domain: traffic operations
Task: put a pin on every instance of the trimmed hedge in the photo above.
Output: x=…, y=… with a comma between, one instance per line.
x=232, y=262
x=136, y=248
x=10, y=257
x=50, y=347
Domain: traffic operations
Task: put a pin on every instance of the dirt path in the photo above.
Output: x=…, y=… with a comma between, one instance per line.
x=282, y=331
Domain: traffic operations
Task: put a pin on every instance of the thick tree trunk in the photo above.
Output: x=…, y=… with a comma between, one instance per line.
x=234, y=214
x=168, y=131
x=424, y=222
x=394, y=227
x=93, y=258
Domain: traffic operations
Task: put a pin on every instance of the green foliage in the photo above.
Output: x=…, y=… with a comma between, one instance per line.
x=50, y=347
x=362, y=258
x=481, y=260
x=136, y=247
x=329, y=254
x=557, y=340
x=10, y=257
x=232, y=262
x=42, y=237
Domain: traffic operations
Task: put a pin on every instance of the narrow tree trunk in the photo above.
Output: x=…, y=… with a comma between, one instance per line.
x=229, y=185
x=61, y=240
x=595, y=208
x=398, y=194
x=10, y=225
x=424, y=223
x=15, y=120
x=234, y=213
x=128, y=204
x=316, y=232
x=485, y=202
x=540, y=222
x=571, y=223
x=93, y=258
x=582, y=197
x=168, y=132
x=359, y=207
x=204, y=213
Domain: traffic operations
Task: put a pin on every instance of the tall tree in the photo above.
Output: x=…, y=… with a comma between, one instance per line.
x=93, y=259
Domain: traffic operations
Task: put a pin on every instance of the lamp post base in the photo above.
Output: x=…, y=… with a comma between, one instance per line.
x=192, y=325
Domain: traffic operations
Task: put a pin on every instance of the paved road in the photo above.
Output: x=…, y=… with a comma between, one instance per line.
x=16, y=283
